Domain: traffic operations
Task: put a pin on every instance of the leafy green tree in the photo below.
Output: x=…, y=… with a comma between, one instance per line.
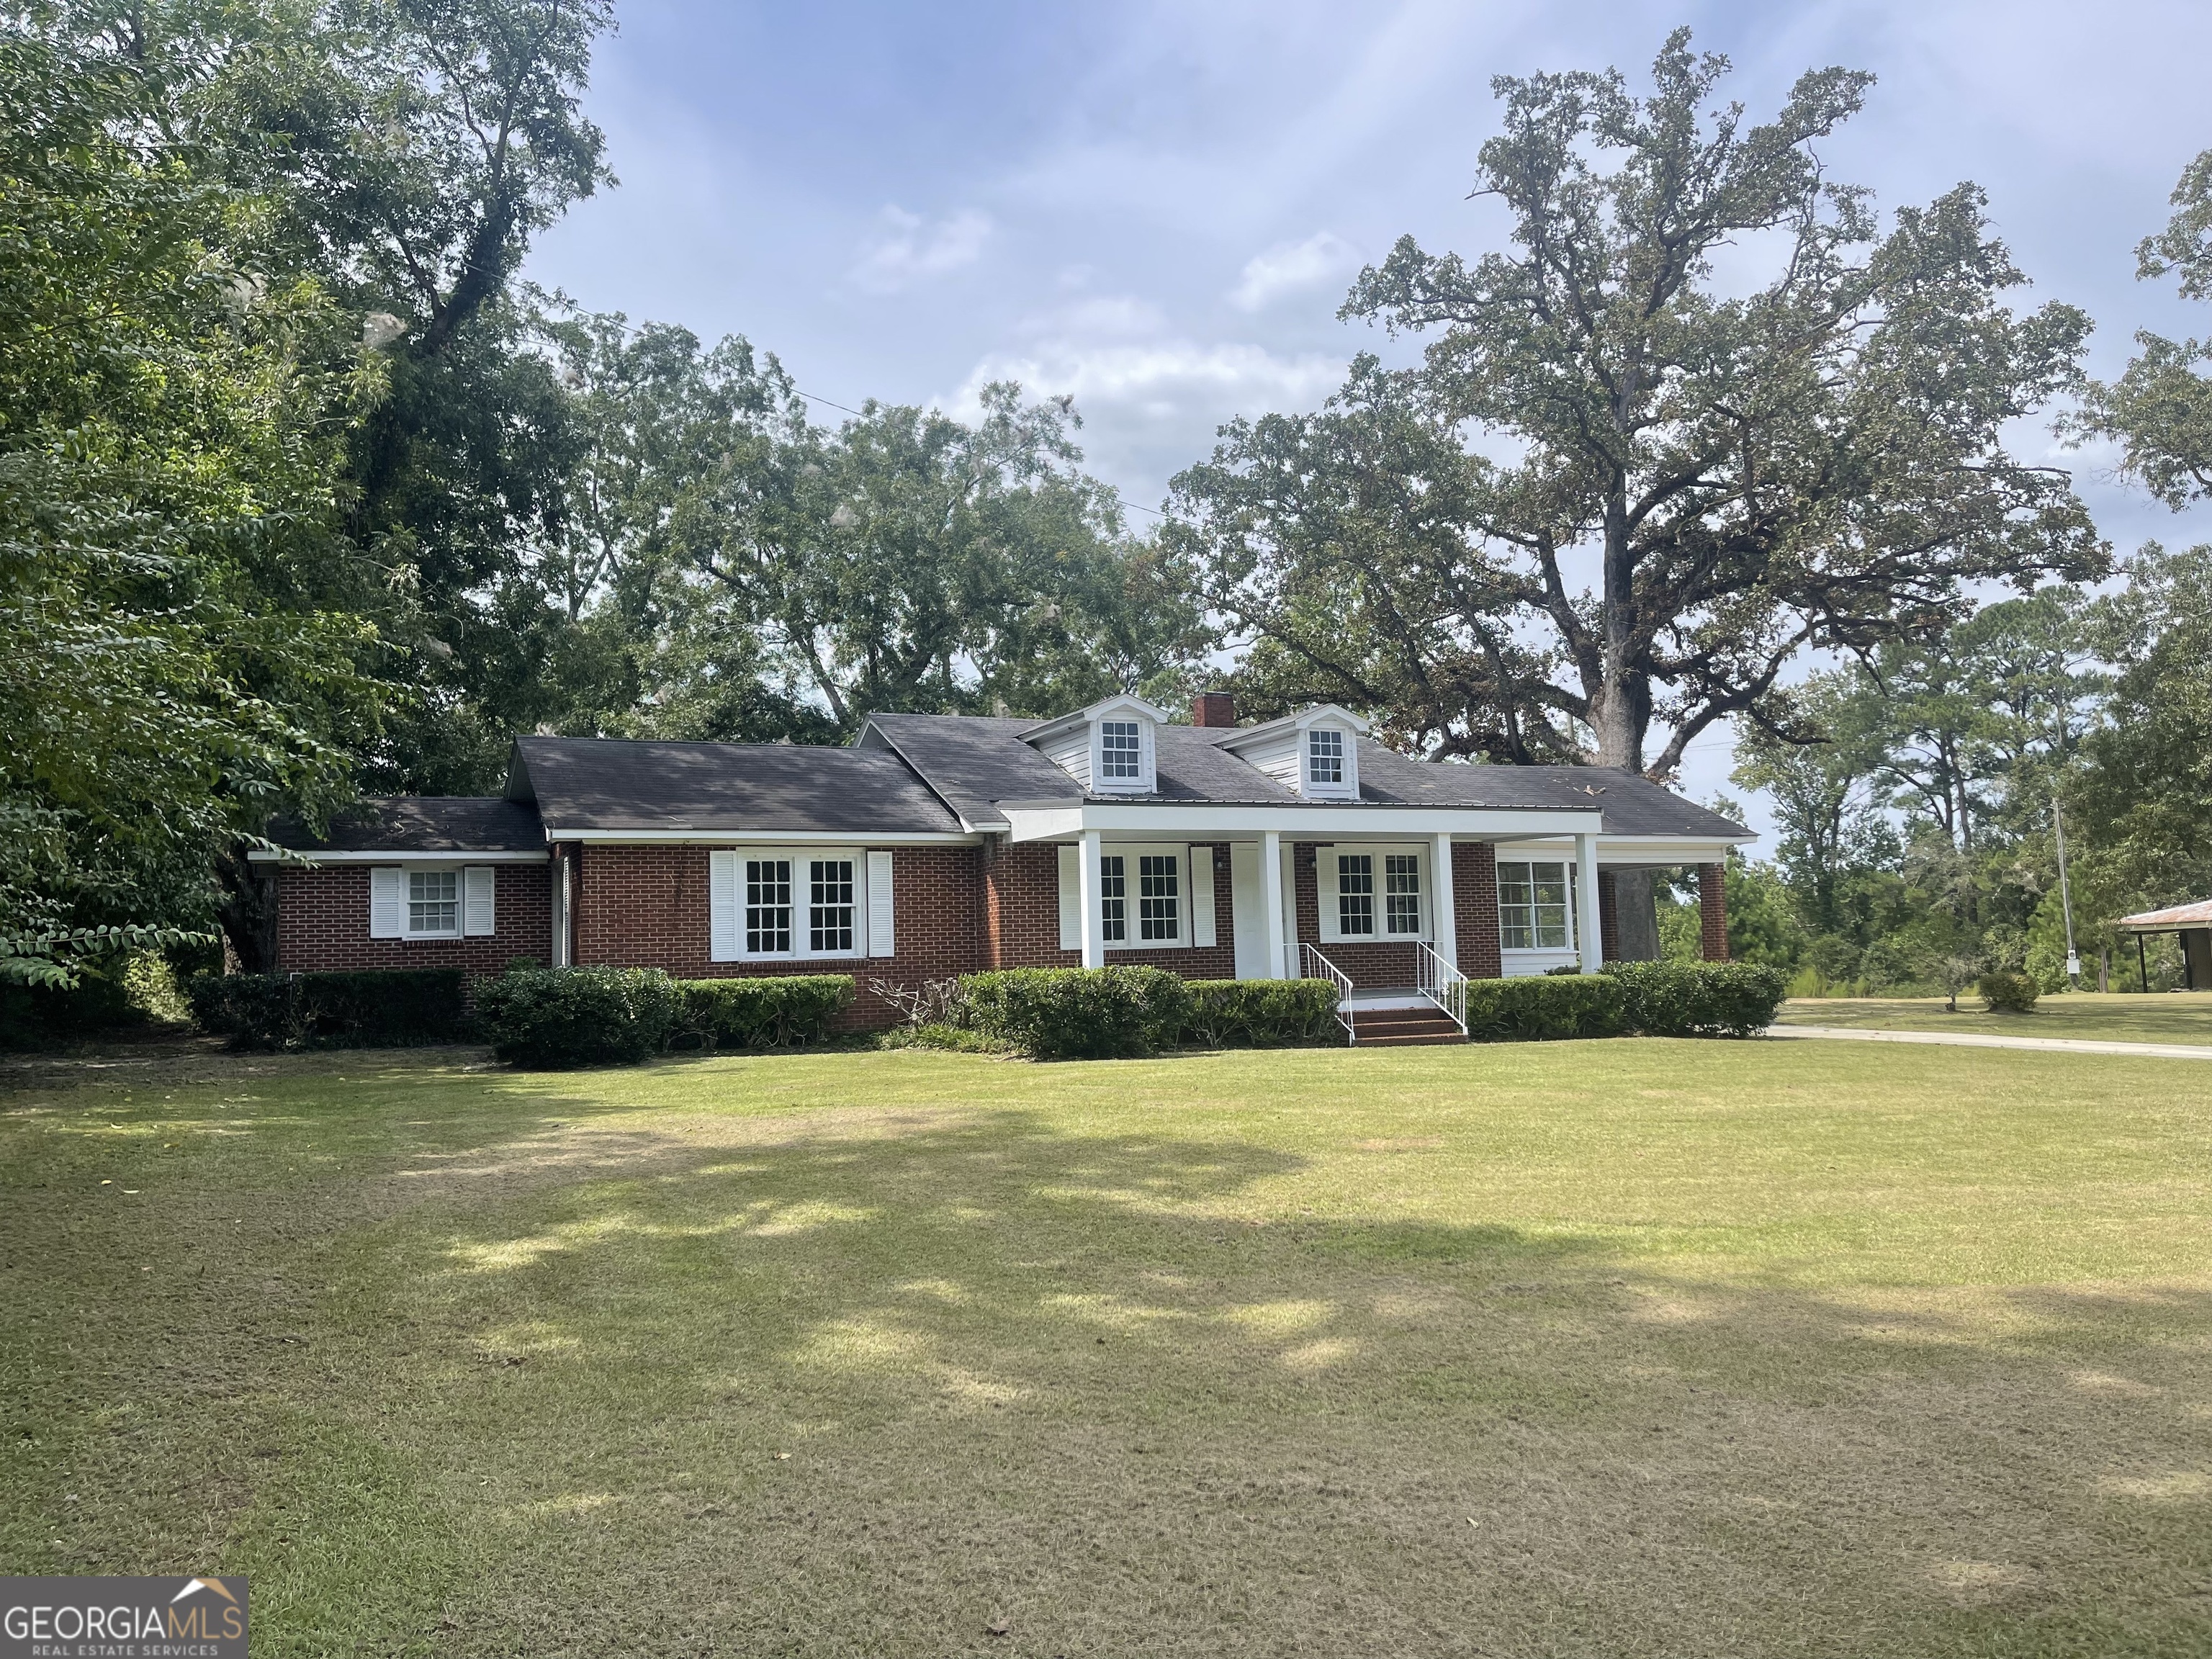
x=171, y=422
x=1820, y=462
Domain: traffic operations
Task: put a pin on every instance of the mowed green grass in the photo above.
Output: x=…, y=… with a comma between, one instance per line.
x=1629, y=1347
x=2162, y=1017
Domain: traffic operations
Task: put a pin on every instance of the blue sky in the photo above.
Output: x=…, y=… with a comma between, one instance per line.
x=1157, y=207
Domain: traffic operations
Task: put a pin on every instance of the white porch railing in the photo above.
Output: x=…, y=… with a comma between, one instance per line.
x=1314, y=965
x=1441, y=983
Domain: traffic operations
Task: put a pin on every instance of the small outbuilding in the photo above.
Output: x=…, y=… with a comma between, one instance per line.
x=2192, y=925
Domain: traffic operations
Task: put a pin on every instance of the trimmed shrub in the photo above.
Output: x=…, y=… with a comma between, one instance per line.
x=2008, y=993
x=374, y=1009
x=1259, y=1013
x=761, y=1013
x=1544, y=1008
x=1697, y=999
x=1077, y=1013
x=556, y=1018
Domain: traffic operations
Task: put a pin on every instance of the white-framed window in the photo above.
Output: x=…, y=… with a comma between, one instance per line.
x=795, y=902
x=434, y=904
x=1373, y=893
x=830, y=906
x=768, y=907
x=1401, y=894
x=433, y=901
x=1325, y=756
x=1355, y=894
x=1159, y=898
x=1141, y=898
x=1536, y=905
x=1121, y=751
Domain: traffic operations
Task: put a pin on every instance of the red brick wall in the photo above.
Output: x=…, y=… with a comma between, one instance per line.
x=1608, y=916
x=646, y=907
x=1474, y=896
x=322, y=924
x=1712, y=912
x=1021, y=911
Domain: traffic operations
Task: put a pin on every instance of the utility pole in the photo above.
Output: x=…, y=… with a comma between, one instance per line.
x=2066, y=899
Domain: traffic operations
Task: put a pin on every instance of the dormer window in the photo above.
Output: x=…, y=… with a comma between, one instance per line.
x=1121, y=751
x=1325, y=756
x=1109, y=748
x=1314, y=754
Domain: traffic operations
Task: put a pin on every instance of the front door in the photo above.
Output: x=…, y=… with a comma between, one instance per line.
x=1248, y=906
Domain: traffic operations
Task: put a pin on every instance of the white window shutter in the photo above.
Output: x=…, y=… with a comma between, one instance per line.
x=882, y=938
x=387, y=902
x=1071, y=898
x=722, y=906
x=1201, y=896
x=479, y=914
x=1324, y=894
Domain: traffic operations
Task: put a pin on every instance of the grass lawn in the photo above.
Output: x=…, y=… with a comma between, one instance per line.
x=2161, y=1017
x=1631, y=1347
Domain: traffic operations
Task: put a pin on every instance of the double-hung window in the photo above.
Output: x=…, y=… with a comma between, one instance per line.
x=433, y=903
x=1536, y=906
x=796, y=902
x=830, y=910
x=1121, y=751
x=1158, y=899
x=1401, y=894
x=1324, y=756
x=768, y=907
x=1355, y=894
x=1113, y=899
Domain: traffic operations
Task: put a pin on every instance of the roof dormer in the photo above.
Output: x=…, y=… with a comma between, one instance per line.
x=1313, y=753
x=1109, y=748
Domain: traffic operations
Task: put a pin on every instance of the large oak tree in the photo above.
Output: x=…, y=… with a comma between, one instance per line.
x=1628, y=482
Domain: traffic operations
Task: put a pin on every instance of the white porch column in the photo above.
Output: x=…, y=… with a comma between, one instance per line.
x=1586, y=920
x=1094, y=907
x=1271, y=904
x=1444, y=912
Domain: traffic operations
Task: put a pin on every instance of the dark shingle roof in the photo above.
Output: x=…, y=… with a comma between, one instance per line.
x=977, y=764
x=423, y=823
x=605, y=783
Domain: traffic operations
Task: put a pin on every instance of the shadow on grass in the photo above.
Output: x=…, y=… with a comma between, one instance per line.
x=864, y=1380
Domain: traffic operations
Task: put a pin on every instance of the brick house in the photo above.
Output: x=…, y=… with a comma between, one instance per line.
x=936, y=845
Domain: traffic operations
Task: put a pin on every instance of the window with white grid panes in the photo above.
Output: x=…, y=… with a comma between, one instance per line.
x=768, y=906
x=1535, y=905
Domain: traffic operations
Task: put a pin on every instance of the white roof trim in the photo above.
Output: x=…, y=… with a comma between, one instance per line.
x=394, y=855
x=1299, y=820
x=1304, y=719
x=788, y=837
x=1105, y=707
x=1634, y=851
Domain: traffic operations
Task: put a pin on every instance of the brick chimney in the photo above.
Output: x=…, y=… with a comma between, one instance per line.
x=1214, y=709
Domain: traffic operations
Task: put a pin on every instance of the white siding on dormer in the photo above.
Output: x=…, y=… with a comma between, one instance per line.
x=1072, y=754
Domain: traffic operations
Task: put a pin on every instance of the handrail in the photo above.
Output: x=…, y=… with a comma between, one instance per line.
x=1314, y=965
x=1441, y=983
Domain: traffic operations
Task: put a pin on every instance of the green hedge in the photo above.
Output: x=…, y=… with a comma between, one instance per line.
x=1259, y=1013
x=762, y=1013
x=2008, y=993
x=1077, y=1013
x=1697, y=999
x=378, y=1008
x=556, y=1018
x=1545, y=1008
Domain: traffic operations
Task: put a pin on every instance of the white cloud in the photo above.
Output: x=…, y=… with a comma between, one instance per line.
x=1291, y=267
x=913, y=248
x=1150, y=397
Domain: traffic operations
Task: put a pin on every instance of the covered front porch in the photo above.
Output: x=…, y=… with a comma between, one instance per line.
x=1396, y=904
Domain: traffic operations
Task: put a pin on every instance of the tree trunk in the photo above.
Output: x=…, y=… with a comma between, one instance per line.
x=248, y=914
